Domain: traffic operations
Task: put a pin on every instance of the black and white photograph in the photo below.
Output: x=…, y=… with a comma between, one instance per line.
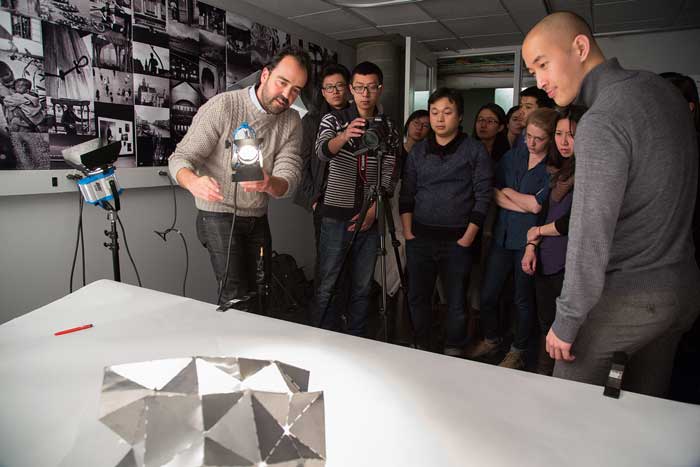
x=71, y=117
x=238, y=44
x=183, y=41
x=265, y=42
x=113, y=87
x=67, y=62
x=152, y=135
x=150, y=15
x=112, y=51
x=59, y=142
x=184, y=66
x=20, y=34
x=116, y=123
x=212, y=78
x=31, y=8
x=110, y=16
x=211, y=19
x=151, y=59
x=186, y=99
x=23, y=120
x=183, y=23
x=151, y=91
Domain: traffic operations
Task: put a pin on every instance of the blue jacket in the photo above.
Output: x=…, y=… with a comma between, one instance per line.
x=511, y=227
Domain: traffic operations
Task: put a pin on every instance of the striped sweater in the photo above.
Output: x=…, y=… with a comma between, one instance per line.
x=350, y=174
x=204, y=149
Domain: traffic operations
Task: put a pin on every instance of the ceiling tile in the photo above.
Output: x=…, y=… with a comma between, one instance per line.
x=501, y=24
x=333, y=21
x=445, y=9
x=421, y=31
x=443, y=45
x=493, y=40
x=395, y=14
x=355, y=33
x=287, y=9
x=525, y=13
x=639, y=10
x=630, y=25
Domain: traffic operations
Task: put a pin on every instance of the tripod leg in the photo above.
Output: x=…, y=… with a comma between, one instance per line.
x=346, y=254
x=402, y=275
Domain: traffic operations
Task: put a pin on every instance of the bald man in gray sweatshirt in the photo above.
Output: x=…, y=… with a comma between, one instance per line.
x=631, y=283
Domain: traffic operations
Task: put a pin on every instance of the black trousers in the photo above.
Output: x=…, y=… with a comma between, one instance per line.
x=249, y=235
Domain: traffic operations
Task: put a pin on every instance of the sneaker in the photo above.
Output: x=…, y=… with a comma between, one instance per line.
x=514, y=360
x=453, y=351
x=482, y=348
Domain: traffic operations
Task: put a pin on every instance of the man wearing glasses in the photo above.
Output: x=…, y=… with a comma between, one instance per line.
x=352, y=169
x=333, y=94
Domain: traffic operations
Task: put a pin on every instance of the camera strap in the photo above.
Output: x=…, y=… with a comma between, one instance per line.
x=362, y=166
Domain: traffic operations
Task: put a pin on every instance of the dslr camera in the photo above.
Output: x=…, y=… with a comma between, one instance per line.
x=376, y=131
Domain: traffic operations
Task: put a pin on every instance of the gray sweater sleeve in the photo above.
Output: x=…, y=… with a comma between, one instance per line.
x=602, y=167
x=288, y=162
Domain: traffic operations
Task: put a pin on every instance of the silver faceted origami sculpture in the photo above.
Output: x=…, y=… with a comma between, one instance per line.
x=214, y=411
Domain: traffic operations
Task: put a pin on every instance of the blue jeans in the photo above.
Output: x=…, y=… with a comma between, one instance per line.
x=499, y=265
x=334, y=240
x=250, y=233
x=426, y=259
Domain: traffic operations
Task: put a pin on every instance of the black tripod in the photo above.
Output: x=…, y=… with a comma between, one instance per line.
x=376, y=194
x=113, y=245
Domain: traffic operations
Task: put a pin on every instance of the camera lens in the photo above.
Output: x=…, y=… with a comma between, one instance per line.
x=371, y=139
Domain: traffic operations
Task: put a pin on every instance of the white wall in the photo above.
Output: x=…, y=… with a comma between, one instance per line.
x=677, y=51
x=38, y=231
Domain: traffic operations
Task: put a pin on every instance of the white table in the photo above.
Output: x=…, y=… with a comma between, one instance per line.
x=385, y=405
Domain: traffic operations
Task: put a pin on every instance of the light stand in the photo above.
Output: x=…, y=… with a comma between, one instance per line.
x=99, y=186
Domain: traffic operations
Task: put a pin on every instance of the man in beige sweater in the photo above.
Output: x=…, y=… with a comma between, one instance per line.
x=201, y=164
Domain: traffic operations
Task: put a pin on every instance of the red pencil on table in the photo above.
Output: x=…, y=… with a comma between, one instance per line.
x=68, y=331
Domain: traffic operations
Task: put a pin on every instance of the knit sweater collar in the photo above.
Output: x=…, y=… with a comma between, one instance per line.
x=446, y=150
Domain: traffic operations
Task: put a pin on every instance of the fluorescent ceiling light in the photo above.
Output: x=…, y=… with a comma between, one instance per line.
x=369, y=3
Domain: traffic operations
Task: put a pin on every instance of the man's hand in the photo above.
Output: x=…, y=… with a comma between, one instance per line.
x=533, y=234
x=369, y=219
x=205, y=188
x=355, y=129
x=464, y=243
x=529, y=261
x=261, y=186
x=557, y=348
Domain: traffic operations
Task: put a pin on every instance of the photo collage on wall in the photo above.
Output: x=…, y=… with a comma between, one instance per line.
x=128, y=71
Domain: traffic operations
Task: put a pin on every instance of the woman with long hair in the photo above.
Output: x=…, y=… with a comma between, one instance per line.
x=545, y=252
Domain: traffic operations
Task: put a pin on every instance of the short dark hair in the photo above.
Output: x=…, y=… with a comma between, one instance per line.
x=334, y=69
x=543, y=99
x=295, y=52
x=416, y=114
x=367, y=68
x=452, y=95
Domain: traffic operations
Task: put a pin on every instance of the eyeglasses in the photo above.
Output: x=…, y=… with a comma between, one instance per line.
x=370, y=88
x=330, y=87
x=488, y=121
x=418, y=124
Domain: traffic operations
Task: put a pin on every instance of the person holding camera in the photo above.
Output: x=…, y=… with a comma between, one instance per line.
x=353, y=168
x=445, y=195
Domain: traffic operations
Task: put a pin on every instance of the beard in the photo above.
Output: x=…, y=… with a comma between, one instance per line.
x=274, y=104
